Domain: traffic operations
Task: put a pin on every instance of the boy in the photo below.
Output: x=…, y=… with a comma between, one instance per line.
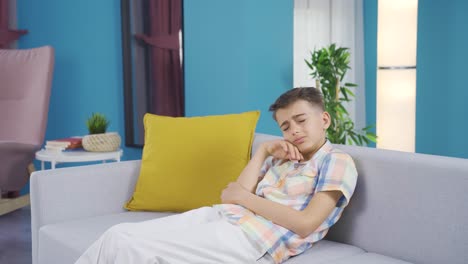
x=287, y=197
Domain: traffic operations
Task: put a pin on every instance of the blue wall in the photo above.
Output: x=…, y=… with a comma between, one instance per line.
x=442, y=94
x=86, y=37
x=88, y=66
x=370, y=60
x=238, y=56
x=441, y=64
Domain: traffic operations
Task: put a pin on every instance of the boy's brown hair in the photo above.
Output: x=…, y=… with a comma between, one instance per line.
x=309, y=94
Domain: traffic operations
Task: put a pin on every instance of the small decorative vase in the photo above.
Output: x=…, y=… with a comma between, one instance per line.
x=104, y=142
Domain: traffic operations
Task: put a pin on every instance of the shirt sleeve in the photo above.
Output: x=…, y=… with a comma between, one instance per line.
x=338, y=173
x=267, y=164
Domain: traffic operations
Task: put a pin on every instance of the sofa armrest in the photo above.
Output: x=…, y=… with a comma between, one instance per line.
x=83, y=191
x=80, y=192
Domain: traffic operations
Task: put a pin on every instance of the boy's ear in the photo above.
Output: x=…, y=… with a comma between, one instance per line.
x=326, y=118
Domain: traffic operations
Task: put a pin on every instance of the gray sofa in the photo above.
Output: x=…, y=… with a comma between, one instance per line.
x=406, y=208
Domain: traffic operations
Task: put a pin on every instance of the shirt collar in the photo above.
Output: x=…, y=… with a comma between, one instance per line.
x=323, y=150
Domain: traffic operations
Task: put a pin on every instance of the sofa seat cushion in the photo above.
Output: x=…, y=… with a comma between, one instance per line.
x=326, y=252
x=369, y=258
x=65, y=242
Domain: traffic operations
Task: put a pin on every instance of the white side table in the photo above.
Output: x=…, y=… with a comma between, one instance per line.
x=75, y=156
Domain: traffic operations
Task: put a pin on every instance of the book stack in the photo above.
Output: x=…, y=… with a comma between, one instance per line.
x=62, y=144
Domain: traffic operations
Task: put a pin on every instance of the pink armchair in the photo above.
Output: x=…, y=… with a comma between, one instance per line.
x=25, y=83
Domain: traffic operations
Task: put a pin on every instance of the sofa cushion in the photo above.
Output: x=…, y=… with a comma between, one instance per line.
x=370, y=258
x=187, y=162
x=65, y=242
x=326, y=252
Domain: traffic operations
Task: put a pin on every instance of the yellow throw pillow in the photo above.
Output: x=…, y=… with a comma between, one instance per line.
x=187, y=162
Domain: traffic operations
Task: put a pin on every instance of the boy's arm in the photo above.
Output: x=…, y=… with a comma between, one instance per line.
x=337, y=182
x=250, y=175
x=277, y=148
x=302, y=222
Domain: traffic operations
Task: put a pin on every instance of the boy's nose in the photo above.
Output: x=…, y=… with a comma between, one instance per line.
x=294, y=131
x=294, y=128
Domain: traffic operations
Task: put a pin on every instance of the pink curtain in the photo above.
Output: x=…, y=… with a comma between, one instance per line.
x=165, y=23
x=7, y=35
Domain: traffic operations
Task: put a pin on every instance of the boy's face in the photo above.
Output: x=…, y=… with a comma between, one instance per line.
x=304, y=125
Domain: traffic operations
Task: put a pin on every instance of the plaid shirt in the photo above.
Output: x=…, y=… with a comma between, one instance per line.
x=294, y=185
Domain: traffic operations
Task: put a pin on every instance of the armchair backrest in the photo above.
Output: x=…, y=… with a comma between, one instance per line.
x=25, y=83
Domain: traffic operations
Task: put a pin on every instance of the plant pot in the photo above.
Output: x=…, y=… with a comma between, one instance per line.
x=104, y=142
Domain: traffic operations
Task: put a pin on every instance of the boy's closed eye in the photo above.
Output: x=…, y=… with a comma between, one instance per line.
x=299, y=121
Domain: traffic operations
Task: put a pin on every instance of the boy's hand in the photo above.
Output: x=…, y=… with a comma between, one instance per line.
x=282, y=149
x=233, y=194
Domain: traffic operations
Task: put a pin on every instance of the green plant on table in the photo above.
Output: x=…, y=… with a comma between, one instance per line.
x=328, y=67
x=97, y=123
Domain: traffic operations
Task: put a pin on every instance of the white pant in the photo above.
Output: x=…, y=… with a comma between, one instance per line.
x=197, y=236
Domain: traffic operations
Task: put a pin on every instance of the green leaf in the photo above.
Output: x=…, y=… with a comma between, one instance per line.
x=345, y=94
x=368, y=127
x=354, y=138
x=309, y=64
x=351, y=84
x=349, y=91
x=365, y=139
x=343, y=109
x=372, y=137
x=360, y=141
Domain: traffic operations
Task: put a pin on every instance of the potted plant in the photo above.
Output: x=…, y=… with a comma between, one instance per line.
x=98, y=140
x=328, y=67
